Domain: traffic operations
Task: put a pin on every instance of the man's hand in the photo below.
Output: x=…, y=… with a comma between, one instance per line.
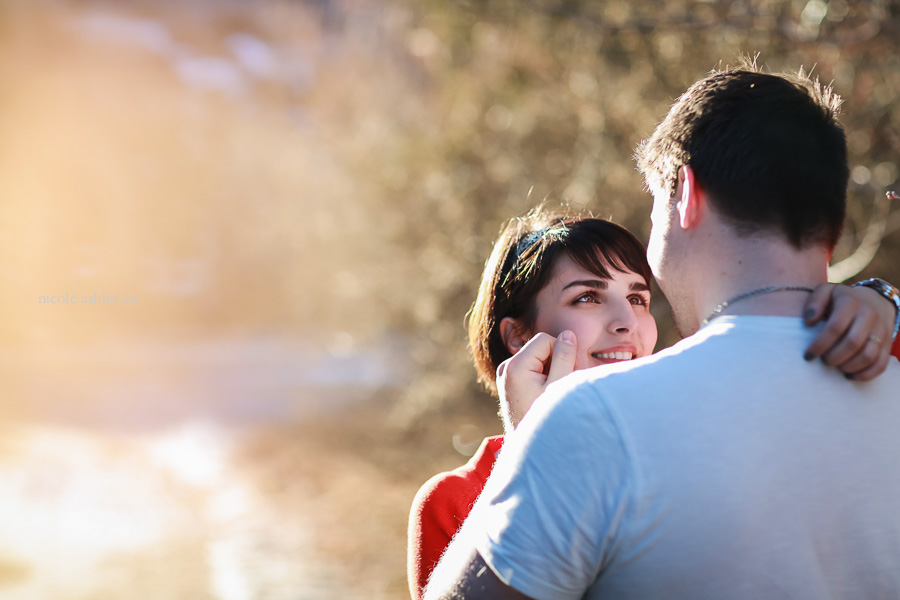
x=857, y=334
x=525, y=375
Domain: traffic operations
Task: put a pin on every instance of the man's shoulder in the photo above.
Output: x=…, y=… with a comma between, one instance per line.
x=695, y=350
x=739, y=354
x=731, y=346
x=890, y=378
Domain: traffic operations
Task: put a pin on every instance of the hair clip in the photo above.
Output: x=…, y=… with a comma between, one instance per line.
x=532, y=238
x=529, y=240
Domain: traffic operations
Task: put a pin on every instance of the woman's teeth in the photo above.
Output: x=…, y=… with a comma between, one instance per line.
x=614, y=355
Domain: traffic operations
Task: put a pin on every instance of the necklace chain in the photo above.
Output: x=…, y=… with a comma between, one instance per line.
x=757, y=292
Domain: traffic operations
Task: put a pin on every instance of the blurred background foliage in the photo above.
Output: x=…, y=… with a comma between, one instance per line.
x=340, y=169
x=337, y=170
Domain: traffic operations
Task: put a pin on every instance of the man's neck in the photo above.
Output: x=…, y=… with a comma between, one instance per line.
x=741, y=266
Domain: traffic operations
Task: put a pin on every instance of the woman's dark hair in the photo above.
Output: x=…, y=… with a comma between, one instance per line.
x=522, y=264
x=768, y=149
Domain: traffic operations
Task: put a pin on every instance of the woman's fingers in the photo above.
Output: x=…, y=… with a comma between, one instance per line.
x=855, y=343
x=535, y=354
x=868, y=363
x=874, y=371
x=564, y=354
x=854, y=338
x=839, y=322
x=816, y=306
x=525, y=375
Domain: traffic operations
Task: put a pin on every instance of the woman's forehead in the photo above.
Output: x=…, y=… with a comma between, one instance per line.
x=567, y=269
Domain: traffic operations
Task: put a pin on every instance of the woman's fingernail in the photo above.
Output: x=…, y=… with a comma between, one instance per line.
x=567, y=337
x=808, y=356
x=809, y=314
x=849, y=376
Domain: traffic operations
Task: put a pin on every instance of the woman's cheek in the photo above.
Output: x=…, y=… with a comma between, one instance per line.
x=649, y=334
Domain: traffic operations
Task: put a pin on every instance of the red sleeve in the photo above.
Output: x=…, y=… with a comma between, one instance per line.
x=895, y=351
x=439, y=509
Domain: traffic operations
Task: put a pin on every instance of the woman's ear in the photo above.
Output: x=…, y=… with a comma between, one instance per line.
x=514, y=334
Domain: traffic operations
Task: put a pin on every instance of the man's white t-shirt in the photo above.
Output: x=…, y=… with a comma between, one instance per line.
x=723, y=467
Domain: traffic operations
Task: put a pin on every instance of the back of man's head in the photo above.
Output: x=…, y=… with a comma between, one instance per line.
x=767, y=149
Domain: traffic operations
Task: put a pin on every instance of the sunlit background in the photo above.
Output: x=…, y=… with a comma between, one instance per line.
x=238, y=240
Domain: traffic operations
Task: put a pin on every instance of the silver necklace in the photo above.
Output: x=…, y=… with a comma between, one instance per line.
x=757, y=292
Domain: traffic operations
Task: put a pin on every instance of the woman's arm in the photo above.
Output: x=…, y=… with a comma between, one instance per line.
x=431, y=527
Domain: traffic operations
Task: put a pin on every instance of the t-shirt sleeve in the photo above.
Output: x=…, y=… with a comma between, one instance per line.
x=552, y=512
x=433, y=521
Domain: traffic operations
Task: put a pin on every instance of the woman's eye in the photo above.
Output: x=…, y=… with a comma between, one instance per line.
x=586, y=297
x=639, y=301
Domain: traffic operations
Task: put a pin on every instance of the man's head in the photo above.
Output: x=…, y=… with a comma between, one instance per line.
x=768, y=149
x=767, y=152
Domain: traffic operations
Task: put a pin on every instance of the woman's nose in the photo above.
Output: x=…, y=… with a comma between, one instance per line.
x=623, y=320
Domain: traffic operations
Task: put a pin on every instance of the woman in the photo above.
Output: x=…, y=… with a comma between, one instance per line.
x=584, y=282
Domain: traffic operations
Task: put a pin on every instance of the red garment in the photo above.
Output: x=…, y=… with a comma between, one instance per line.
x=896, y=348
x=439, y=509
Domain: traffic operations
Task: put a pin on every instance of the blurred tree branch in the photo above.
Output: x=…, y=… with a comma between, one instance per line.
x=874, y=234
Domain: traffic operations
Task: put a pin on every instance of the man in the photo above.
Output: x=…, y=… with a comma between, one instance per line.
x=725, y=466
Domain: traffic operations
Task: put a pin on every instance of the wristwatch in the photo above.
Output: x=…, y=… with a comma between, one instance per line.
x=888, y=291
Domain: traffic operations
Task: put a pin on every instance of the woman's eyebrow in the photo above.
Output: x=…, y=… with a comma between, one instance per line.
x=600, y=284
x=597, y=284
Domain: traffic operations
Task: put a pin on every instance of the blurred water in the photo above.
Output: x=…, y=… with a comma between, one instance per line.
x=160, y=516
x=118, y=478
x=152, y=385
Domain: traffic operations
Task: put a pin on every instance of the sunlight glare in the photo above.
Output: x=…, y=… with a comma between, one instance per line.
x=195, y=453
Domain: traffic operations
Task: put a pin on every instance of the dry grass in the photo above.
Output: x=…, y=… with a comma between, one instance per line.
x=355, y=475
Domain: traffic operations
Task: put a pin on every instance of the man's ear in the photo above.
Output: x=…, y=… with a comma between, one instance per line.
x=692, y=204
x=514, y=333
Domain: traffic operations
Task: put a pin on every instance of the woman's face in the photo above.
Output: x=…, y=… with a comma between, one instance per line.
x=610, y=317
